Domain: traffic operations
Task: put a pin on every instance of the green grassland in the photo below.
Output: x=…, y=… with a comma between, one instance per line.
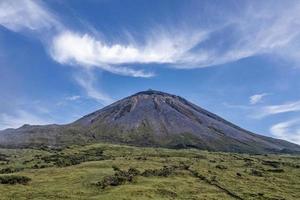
x=106, y=171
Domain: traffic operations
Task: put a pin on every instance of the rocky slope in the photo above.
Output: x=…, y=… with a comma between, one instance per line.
x=150, y=118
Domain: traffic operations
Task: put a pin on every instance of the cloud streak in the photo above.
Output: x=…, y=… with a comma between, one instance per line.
x=287, y=130
x=19, y=15
x=277, y=109
x=87, y=81
x=20, y=118
x=257, y=98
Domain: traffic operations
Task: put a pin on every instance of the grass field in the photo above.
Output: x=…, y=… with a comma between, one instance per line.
x=105, y=171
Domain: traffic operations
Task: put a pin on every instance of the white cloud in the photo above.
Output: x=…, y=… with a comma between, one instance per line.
x=282, y=108
x=277, y=109
x=260, y=28
x=254, y=99
x=288, y=130
x=20, y=118
x=257, y=31
x=87, y=81
x=87, y=51
x=18, y=15
x=73, y=98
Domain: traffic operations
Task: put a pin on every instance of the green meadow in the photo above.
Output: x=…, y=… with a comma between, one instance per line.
x=109, y=172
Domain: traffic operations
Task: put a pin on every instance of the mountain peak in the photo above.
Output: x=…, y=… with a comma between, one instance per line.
x=152, y=92
x=151, y=118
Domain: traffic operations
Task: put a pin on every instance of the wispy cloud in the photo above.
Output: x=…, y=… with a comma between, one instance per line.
x=18, y=15
x=276, y=109
x=287, y=130
x=259, y=29
x=87, y=51
x=257, y=98
x=73, y=98
x=20, y=118
x=87, y=81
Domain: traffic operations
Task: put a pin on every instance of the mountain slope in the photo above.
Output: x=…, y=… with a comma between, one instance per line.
x=151, y=118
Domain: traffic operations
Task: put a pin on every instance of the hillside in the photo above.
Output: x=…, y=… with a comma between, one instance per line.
x=107, y=172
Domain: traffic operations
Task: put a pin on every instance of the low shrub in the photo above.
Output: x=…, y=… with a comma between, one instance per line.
x=141, y=158
x=3, y=157
x=61, y=160
x=238, y=174
x=119, y=178
x=213, y=178
x=134, y=171
x=221, y=167
x=165, y=171
x=14, y=179
x=115, y=168
x=277, y=170
x=255, y=172
x=199, y=157
x=271, y=163
x=10, y=170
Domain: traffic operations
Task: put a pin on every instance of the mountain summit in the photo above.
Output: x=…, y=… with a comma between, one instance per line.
x=150, y=118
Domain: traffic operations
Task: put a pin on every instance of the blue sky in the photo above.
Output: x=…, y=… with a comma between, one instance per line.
x=60, y=60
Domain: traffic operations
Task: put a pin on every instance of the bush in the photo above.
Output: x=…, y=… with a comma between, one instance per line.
x=255, y=172
x=199, y=157
x=134, y=171
x=183, y=166
x=114, y=180
x=276, y=170
x=221, y=167
x=3, y=157
x=75, y=159
x=141, y=158
x=165, y=171
x=271, y=163
x=119, y=178
x=10, y=170
x=213, y=178
x=14, y=179
x=115, y=168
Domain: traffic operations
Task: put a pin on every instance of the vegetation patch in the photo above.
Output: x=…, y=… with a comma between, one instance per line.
x=255, y=172
x=119, y=178
x=165, y=171
x=278, y=170
x=14, y=179
x=271, y=163
x=3, y=157
x=221, y=167
x=9, y=170
x=62, y=160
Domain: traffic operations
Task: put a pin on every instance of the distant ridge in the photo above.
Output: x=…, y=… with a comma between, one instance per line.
x=150, y=118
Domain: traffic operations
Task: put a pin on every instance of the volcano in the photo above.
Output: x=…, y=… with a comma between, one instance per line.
x=151, y=119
